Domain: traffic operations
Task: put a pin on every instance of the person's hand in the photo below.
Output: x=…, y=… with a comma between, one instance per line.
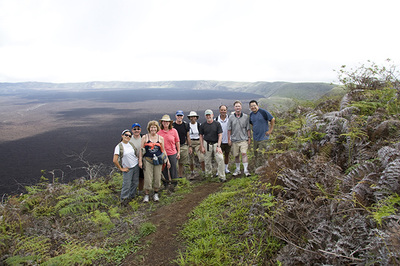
x=168, y=165
x=219, y=150
x=190, y=150
x=125, y=169
x=178, y=156
x=202, y=150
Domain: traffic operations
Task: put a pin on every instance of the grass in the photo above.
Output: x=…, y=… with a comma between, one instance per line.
x=219, y=231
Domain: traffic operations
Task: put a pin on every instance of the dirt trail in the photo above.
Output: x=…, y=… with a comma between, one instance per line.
x=168, y=219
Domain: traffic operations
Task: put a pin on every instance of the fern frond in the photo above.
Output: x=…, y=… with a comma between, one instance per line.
x=387, y=154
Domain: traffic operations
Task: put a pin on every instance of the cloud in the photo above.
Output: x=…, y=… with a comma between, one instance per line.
x=71, y=41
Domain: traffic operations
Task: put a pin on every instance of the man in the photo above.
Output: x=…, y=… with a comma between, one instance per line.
x=136, y=141
x=226, y=149
x=183, y=131
x=239, y=137
x=194, y=136
x=210, y=142
x=263, y=124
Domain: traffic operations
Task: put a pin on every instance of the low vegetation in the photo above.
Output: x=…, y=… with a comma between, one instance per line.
x=328, y=193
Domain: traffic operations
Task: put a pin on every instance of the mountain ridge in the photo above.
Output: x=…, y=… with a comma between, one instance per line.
x=298, y=90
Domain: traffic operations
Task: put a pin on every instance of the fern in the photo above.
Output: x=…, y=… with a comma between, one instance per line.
x=30, y=248
x=76, y=253
x=385, y=208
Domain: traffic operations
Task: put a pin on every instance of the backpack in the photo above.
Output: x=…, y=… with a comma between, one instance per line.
x=121, y=152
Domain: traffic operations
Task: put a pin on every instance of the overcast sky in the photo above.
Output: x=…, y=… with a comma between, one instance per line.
x=155, y=40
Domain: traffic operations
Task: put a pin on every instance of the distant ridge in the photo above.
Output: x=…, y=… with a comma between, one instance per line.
x=306, y=90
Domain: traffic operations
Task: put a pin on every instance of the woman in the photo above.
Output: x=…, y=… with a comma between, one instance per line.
x=172, y=146
x=152, y=145
x=127, y=162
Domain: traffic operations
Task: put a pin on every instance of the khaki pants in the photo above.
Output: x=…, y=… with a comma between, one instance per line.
x=219, y=158
x=184, y=153
x=152, y=175
x=259, y=152
x=196, y=149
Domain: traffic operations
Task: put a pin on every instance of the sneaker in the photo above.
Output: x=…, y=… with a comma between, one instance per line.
x=146, y=198
x=237, y=172
x=227, y=171
x=155, y=197
x=247, y=173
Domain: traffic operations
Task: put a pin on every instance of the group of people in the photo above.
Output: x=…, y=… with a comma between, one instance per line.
x=161, y=154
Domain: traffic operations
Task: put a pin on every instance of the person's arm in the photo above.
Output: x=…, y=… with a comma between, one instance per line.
x=189, y=142
x=163, y=148
x=229, y=137
x=219, y=149
x=202, y=150
x=141, y=152
x=115, y=161
x=271, y=128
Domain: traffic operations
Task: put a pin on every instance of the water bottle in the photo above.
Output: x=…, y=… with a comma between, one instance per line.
x=155, y=160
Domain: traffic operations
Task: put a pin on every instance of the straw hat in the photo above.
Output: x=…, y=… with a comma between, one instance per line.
x=165, y=118
x=193, y=113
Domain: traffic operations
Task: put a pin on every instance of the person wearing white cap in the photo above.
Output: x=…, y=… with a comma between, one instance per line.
x=126, y=159
x=194, y=148
x=210, y=143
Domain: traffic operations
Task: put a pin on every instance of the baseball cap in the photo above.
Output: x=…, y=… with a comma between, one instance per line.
x=208, y=112
x=136, y=125
x=179, y=112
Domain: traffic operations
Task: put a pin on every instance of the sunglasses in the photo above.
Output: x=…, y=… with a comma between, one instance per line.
x=127, y=135
x=136, y=129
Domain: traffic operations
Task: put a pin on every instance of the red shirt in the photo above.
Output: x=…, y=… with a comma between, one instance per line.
x=171, y=137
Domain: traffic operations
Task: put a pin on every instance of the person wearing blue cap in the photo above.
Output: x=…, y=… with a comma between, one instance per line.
x=183, y=131
x=137, y=140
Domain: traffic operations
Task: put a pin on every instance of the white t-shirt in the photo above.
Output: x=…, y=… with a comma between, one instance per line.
x=194, y=131
x=224, y=125
x=129, y=159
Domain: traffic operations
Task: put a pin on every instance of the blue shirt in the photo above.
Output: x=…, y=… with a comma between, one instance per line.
x=260, y=120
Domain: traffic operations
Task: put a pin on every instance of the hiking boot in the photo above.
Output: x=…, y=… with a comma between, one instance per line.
x=146, y=198
x=125, y=202
x=222, y=180
x=236, y=173
x=247, y=173
x=155, y=197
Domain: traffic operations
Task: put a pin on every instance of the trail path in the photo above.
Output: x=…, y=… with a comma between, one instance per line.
x=164, y=246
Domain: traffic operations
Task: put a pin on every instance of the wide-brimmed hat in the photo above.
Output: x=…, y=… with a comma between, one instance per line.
x=165, y=118
x=193, y=113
